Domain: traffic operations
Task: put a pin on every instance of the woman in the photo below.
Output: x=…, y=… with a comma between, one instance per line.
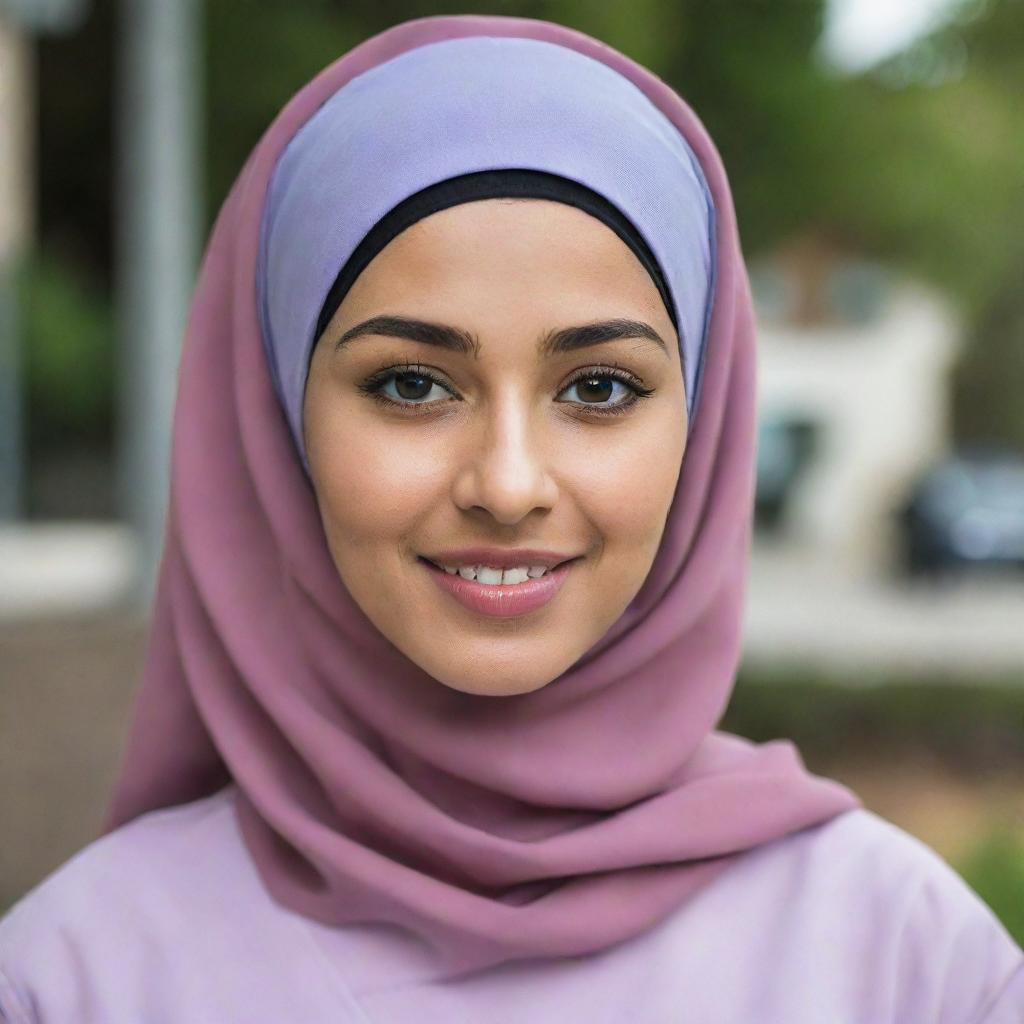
x=451, y=600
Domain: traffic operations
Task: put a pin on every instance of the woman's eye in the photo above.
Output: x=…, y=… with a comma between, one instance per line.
x=599, y=392
x=599, y=389
x=405, y=389
x=413, y=388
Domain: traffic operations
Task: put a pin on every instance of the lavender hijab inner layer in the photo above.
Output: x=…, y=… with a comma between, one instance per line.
x=462, y=105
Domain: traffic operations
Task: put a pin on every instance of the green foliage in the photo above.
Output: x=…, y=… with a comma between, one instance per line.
x=993, y=365
x=947, y=196
x=995, y=870
x=257, y=56
x=746, y=68
x=68, y=338
x=972, y=725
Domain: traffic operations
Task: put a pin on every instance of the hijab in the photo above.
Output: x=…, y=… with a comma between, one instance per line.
x=553, y=823
x=443, y=110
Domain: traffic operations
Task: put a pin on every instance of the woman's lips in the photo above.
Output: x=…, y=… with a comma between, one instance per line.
x=501, y=601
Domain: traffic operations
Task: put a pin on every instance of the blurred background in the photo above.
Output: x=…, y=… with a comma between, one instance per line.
x=876, y=155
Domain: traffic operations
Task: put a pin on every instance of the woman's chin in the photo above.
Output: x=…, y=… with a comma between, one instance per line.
x=469, y=677
x=494, y=688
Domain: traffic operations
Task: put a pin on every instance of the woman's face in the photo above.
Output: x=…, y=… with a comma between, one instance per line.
x=500, y=438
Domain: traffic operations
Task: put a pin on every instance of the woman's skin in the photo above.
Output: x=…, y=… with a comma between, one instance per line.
x=505, y=451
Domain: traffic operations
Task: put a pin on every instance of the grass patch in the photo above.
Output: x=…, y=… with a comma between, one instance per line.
x=995, y=870
x=973, y=726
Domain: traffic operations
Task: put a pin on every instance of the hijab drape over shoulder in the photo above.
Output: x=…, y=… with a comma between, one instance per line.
x=552, y=823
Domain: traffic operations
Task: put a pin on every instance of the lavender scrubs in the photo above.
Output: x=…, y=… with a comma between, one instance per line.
x=852, y=921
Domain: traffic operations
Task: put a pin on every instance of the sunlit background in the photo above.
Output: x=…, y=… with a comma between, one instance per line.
x=876, y=155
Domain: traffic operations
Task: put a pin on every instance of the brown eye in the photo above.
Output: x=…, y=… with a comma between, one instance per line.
x=406, y=388
x=412, y=386
x=595, y=389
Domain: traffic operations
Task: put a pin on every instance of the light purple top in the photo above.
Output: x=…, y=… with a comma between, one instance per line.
x=852, y=921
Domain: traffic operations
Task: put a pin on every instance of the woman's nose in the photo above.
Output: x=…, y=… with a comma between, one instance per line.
x=506, y=467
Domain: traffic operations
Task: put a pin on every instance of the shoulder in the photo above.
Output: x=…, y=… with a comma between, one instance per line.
x=147, y=901
x=144, y=870
x=855, y=856
x=866, y=853
x=863, y=856
x=938, y=946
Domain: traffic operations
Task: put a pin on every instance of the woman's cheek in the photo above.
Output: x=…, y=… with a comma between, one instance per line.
x=377, y=490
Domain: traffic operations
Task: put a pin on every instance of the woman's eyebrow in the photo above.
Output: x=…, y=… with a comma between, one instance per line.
x=455, y=339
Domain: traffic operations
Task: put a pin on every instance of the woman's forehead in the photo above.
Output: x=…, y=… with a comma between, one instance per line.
x=532, y=243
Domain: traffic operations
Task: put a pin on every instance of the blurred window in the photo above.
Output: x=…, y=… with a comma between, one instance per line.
x=857, y=291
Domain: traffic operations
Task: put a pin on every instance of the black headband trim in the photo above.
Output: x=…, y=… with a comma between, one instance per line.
x=491, y=184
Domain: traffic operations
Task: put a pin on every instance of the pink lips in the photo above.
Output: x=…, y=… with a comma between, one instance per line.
x=503, y=601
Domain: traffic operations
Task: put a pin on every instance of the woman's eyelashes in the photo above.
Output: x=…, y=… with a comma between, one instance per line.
x=410, y=387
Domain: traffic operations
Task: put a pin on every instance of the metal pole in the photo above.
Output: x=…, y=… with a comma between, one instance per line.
x=17, y=210
x=157, y=212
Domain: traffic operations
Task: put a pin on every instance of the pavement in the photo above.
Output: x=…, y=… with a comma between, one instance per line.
x=63, y=568
x=801, y=610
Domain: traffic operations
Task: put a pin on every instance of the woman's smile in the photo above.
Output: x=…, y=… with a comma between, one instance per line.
x=500, y=593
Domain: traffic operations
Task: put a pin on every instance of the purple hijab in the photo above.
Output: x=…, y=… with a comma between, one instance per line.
x=442, y=110
x=553, y=823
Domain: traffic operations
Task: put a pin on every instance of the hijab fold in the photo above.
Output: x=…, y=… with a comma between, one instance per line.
x=549, y=824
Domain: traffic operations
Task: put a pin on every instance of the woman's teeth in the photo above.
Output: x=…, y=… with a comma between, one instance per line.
x=494, y=577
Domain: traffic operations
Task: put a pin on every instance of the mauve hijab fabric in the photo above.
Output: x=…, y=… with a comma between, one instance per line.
x=549, y=824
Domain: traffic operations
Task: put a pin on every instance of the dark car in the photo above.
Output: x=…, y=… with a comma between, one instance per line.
x=966, y=512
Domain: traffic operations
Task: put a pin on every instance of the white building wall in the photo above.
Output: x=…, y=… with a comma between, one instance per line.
x=881, y=396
